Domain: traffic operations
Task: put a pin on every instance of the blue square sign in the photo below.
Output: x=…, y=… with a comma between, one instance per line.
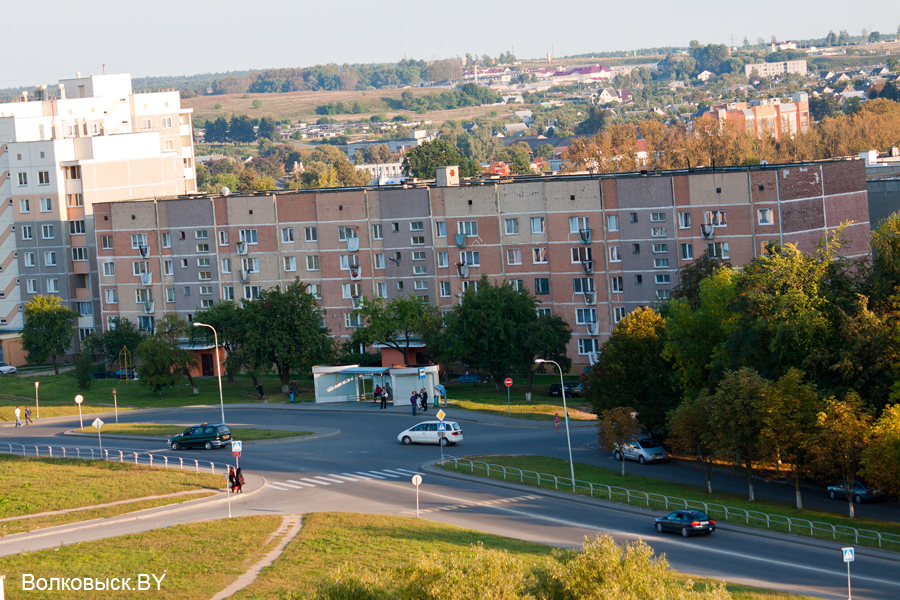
x=442, y=427
x=848, y=554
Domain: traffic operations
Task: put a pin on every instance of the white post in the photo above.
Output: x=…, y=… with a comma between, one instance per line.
x=218, y=365
x=37, y=415
x=78, y=400
x=565, y=410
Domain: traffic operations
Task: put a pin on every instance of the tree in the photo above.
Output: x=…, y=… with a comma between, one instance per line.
x=597, y=121
x=398, y=323
x=423, y=161
x=122, y=333
x=690, y=431
x=286, y=329
x=630, y=370
x=267, y=129
x=216, y=132
x=618, y=426
x=545, y=151
x=240, y=130
x=163, y=361
x=49, y=329
x=881, y=457
x=547, y=337
x=841, y=441
x=84, y=366
x=693, y=273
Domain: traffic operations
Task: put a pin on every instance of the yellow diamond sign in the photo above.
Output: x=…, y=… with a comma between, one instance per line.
x=441, y=415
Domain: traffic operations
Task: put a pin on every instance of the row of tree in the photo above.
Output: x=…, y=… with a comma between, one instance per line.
x=240, y=129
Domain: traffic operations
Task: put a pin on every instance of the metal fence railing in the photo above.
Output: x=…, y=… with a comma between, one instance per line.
x=620, y=494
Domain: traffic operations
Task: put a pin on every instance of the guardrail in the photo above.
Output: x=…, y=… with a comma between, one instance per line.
x=727, y=513
x=135, y=456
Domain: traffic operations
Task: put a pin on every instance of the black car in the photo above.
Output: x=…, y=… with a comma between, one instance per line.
x=688, y=522
x=201, y=436
x=573, y=390
x=103, y=375
x=860, y=492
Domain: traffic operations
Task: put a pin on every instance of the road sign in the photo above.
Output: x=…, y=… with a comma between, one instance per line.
x=114, y=391
x=421, y=373
x=236, y=447
x=440, y=415
x=508, y=382
x=97, y=423
x=848, y=554
x=442, y=427
x=79, y=399
x=417, y=479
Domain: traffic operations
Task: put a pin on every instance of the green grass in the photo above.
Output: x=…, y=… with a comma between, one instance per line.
x=160, y=430
x=198, y=559
x=483, y=397
x=610, y=477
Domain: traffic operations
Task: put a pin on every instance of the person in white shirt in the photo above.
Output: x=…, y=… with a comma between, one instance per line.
x=18, y=414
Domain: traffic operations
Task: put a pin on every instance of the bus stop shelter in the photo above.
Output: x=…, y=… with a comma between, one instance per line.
x=348, y=383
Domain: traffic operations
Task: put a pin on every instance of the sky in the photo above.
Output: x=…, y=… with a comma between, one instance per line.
x=57, y=38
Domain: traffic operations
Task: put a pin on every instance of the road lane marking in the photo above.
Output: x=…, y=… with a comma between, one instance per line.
x=383, y=473
x=369, y=475
x=343, y=477
x=314, y=481
x=397, y=473
x=471, y=504
x=289, y=485
x=320, y=478
x=301, y=483
x=278, y=487
x=409, y=472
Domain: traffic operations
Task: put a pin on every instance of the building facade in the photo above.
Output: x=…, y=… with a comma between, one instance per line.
x=773, y=69
x=97, y=141
x=767, y=117
x=590, y=248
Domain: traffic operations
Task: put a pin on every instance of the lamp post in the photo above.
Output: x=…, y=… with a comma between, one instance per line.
x=218, y=365
x=37, y=406
x=566, y=410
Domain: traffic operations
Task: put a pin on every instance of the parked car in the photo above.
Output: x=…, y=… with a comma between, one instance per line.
x=643, y=450
x=688, y=522
x=472, y=378
x=201, y=436
x=127, y=373
x=427, y=433
x=6, y=369
x=573, y=390
x=860, y=491
x=103, y=375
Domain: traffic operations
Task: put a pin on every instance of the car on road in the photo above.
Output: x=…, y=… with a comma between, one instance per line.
x=103, y=375
x=860, y=492
x=644, y=450
x=126, y=373
x=472, y=378
x=573, y=390
x=686, y=522
x=6, y=369
x=201, y=436
x=427, y=433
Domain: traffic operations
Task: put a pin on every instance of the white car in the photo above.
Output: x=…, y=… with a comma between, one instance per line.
x=5, y=369
x=427, y=433
x=645, y=450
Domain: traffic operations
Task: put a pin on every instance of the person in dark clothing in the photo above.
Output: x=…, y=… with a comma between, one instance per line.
x=423, y=396
x=383, y=398
x=239, y=481
x=293, y=390
x=259, y=389
x=232, y=480
x=414, y=400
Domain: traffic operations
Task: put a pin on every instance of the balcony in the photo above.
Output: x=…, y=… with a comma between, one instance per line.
x=357, y=301
x=707, y=231
x=591, y=328
x=244, y=275
x=460, y=239
x=241, y=248
x=590, y=297
x=588, y=266
x=148, y=307
x=355, y=273
x=462, y=269
x=144, y=250
x=585, y=235
x=146, y=279
x=353, y=244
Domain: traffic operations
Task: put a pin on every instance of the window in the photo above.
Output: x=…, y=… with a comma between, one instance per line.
x=687, y=251
x=201, y=234
x=184, y=263
x=657, y=217
x=47, y=231
x=588, y=345
x=663, y=294
x=544, y=312
x=140, y=266
x=660, y=248
x=395, y=227
x=223, y=238
x=145, y=323
x=72, y=172
x=513, y=256
x=167, y=267
x=205, y=275
x=416, y=226
x=581, y=285
x=109, y=268
x=633, y=217
x=25, y=205
x=539, y=256
x=618, y=313
x=469, y=228
x=202, y=248
x=471, y=258
x=352, y=321
x=581, y=254
x=537, y=225
x=170, y=145
x=112, y=296
x=148, y=124
x=23, y=179
x=170, y=294
x=717, y=250
x=517, y=284
x=684, y=220
x=764, y=216
x=420, y=270
x=106, y=242
x=46, y=205
x=418, y=240
x=764, y=248
x=310, y=234
x=471, y=284
x=657, y=232
x=248, y=236
x=26, y=232
x=440, y=229
x=542, y=285
x=29, y=259
x=400, y=286
x=346, y=232
x=31, y=285
x=635, y=248
x=443, y=260
x=75, y=200
x=379, y=260
x=166, y=122
x=585, y=315
x=53, y=286
x=138, y=240
x=377, y=232
x=420, y=284
x=445, y=289
x=76, y=227
x=205, y=303
x=660, y=263
x=715, y=218
x=612, y=222
x=618, y=284
x=79, y=253
x=312, y=262
x=167, y=240
x=576, y=224
x=290, y=263
x=250, y=265
x=228, y=292
x=203, y=263
x=663, y=279
x=512, y=226
x=614, y=254
x=381, y=290
x=251, y=292
x=49, y=259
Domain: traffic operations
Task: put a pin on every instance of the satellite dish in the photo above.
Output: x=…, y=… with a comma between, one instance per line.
x=225, y=190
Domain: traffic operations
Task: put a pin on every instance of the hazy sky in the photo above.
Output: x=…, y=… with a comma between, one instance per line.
x=55, y=38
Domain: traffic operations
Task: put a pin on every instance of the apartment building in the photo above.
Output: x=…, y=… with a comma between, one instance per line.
x=766, y=117
x=96, y=141
x=773, y=69
x=591, y=248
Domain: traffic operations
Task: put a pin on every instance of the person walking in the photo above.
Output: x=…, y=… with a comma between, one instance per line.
x=556, y=421
x=423, y=396
x=239, y=480
x=293, y=389
x=414, y=400
x=19, y=423
x=28, y=415
x=232, y=481
x=259, y=389
x=383, y=398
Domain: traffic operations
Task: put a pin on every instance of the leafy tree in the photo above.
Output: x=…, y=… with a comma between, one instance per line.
x=881, y=457
x=692, y=274
x=423, y=161
x=618, y=426
x=228, y=320
x=597, y=121
x=163, y=361
x=547, y=337
x=216, y=132
x=690, y=431
x=267, y=129
x=824, y=106
x=545, y=151
x=240, y=130
x=49, y=328
x=256, y=103
x=286, y=329
x=84, y=366
x=398, y=323
x=841, y=441
x=630, y=370
x=122, y=333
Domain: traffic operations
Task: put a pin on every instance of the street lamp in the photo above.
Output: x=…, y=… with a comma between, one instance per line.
x=37, y=406
x=566, y=410
x=218, y=365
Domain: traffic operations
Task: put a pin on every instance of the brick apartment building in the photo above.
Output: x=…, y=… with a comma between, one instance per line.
x=97, y=141
x=590, y=247
x=767, y=117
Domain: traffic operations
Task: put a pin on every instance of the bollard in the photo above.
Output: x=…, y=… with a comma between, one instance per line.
x=50, y=451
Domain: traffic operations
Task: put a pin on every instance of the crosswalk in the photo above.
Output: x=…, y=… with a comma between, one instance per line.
x=300, y=483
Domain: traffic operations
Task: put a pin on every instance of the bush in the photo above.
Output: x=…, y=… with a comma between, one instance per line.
x=84, y=366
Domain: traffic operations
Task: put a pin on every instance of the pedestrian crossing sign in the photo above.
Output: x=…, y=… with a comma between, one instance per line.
x=442, y=427
x=848, y=554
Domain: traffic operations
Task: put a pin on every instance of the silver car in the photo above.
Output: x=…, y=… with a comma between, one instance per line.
x=644, y=450
x=6, y=369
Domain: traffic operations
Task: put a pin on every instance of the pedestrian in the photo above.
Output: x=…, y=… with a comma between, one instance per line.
x=556, y=422
x=383, y=398
x=232, y=481
x=259, y=389
x=19, y=423
x=414, y=400
x=423, y=396
x=239, y=480
x=376, y=395
x=293, y=389
x=28, y=415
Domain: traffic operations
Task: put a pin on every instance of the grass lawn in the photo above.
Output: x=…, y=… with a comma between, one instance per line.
x=198, y=560
x=160, y=430
x=483, y=397
x=610, y=477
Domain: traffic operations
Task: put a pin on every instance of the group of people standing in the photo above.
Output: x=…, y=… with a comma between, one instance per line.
x=18, y=413
x=381, y=393
x=236, y=480
x=416, y=398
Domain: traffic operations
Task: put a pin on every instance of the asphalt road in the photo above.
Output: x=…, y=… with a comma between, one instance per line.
x=364, y=469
